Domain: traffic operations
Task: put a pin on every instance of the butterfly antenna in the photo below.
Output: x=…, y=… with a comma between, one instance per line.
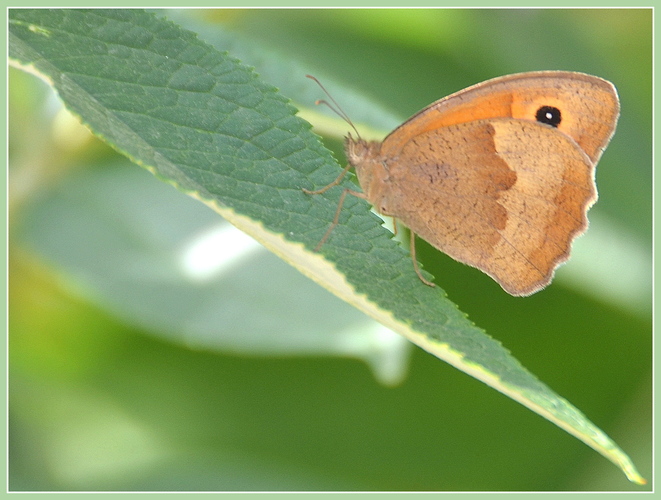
x=337, y=109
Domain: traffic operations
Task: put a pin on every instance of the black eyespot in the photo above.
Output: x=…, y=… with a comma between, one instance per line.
x=549, y=115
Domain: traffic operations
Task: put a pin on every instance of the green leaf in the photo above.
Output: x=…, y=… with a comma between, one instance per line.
x=286, y=74
x=200, y=120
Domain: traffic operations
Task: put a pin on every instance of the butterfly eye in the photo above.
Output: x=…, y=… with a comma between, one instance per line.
x=549, y=115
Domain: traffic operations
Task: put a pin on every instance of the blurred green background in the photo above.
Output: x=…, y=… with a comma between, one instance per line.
x=114, y=391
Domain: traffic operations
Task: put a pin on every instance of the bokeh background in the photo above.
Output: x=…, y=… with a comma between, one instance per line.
x=103, y=398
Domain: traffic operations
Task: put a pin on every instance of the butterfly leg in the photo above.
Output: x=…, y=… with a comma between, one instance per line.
x=334, y=183
x=415, y=263
x=336, y=219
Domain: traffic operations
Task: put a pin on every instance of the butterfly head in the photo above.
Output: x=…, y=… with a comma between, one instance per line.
x=360, y=151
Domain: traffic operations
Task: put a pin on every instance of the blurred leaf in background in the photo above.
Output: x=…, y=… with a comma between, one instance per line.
x=106, y=394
